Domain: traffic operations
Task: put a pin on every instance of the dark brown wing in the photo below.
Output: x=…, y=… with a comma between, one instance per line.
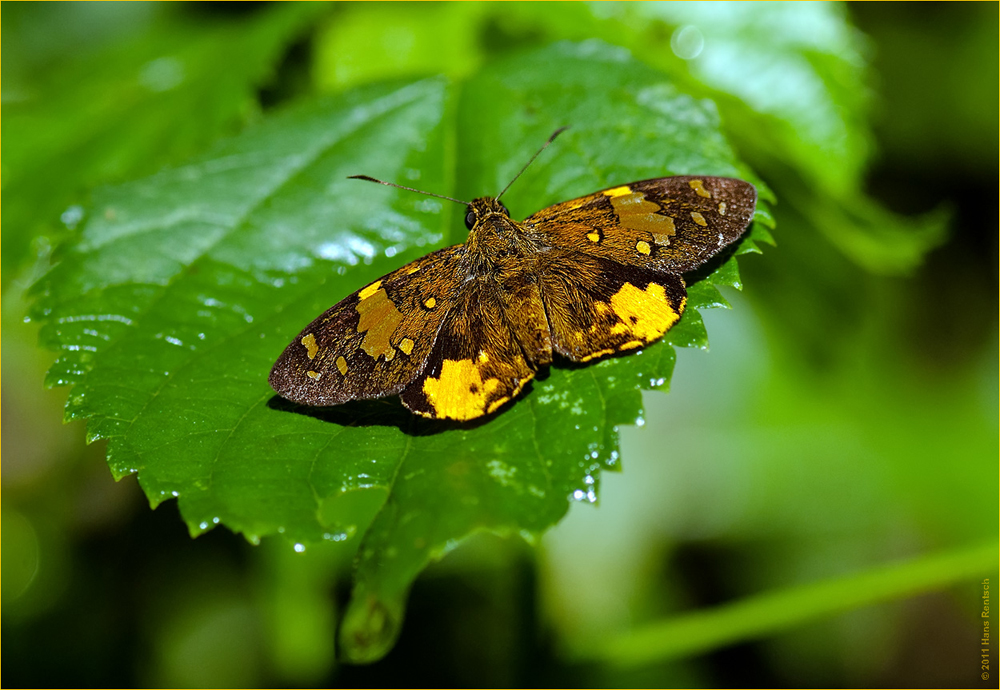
x=597, y=307
x=671, y=224
x=374, y=342
x=477, y=363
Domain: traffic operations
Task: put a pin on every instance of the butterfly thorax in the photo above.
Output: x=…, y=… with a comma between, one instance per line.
x=496, y=243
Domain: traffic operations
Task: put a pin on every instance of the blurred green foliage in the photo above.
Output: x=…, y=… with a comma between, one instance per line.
x=846, y=416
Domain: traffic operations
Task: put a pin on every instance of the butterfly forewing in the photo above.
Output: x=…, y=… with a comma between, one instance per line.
x=373, y=342
x=671, y=224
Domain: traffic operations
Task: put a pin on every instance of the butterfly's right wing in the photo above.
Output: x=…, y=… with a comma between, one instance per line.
x=375, y=341
x=598, y=307
x=670, y=224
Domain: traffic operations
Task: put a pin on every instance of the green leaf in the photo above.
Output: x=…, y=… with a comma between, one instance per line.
x=128, y=109
x=409, y=42
x=184, y=288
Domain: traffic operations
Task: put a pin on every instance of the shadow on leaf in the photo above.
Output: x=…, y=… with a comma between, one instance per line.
x=390, y=411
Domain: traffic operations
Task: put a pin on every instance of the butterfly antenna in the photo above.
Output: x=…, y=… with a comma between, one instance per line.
x=409, y=189
x=550, y=140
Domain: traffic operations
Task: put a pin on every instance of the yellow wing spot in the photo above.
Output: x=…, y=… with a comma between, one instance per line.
x=594, y=236
x=314, y=375
x=370, y=290
x=575, y=205
x=310, y=344
x=459, y=392
x=699, y=187
x=379, y=319
x=663, y=238
x=497, y=403
x=644, y=314
x=698, y=218
x=722, y=208
x=595, y=355
x=635, y=212
x=406, y=345
x=617, y=191
x=431, y=303
x=483, y=357
x=631, y=345
x=642, y=247
x=413, y=270
x=341, y=365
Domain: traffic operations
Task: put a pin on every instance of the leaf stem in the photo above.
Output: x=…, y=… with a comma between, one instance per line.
x=763, y=614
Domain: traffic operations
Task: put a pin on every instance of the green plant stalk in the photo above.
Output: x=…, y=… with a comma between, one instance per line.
x=758, y=616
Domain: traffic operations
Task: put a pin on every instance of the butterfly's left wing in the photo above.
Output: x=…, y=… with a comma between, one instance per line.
x=478, y=362
x=671, y=224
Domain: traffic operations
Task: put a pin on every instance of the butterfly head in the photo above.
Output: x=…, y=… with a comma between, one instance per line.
x=483, y=207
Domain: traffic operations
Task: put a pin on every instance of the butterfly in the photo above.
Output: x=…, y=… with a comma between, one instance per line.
x=459, y=332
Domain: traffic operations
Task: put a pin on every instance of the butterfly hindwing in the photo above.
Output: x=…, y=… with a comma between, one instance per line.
x=671, y=224
x=477, y=363
x=597, y=307
x=373, y=342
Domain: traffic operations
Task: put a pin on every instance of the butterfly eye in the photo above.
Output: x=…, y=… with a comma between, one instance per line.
x=470, y=219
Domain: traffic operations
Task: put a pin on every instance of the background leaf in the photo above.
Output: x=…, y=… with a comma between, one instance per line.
x=93, y=118
x=185, y=286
